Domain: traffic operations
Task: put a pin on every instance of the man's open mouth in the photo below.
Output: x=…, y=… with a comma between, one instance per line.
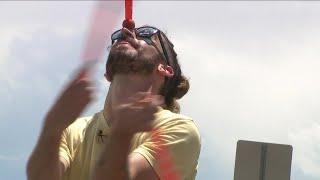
x=123, y=42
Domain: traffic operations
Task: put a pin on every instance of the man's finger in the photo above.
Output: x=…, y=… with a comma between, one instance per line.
x=83, y=72
x=152, y=100
x=157, y=100
x=139, y=95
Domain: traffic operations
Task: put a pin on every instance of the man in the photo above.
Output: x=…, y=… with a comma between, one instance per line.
x=139, y=133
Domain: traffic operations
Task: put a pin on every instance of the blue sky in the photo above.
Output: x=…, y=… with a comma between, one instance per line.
x=253, y=68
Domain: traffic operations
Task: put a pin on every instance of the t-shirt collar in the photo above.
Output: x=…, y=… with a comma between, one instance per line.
x=103, y=123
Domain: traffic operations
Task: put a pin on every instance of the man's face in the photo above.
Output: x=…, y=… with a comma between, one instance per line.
x=132, y=54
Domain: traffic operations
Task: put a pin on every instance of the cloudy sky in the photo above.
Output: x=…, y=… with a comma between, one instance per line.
x=253, y=68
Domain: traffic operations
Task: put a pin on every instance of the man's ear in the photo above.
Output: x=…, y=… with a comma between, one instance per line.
x=108, y=78
x=165, y=70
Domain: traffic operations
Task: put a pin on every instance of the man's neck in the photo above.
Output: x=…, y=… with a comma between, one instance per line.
x=125, y=86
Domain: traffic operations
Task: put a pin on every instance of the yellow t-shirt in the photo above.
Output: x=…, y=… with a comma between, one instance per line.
x=172, y=149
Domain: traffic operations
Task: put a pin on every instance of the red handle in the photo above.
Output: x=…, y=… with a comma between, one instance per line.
x=128, y=9
x=128, y=22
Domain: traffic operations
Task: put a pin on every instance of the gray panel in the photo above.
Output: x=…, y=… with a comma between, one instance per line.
x=248, y=156
x=262, y=161
x=278, y=162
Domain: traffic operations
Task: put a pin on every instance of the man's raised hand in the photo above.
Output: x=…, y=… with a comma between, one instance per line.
x=72, y=101
x=136, y=114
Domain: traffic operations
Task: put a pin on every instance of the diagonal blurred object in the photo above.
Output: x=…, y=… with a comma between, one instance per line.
x=104, y=17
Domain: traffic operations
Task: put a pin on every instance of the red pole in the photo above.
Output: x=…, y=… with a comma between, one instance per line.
x=128, y=22
x=128, y=9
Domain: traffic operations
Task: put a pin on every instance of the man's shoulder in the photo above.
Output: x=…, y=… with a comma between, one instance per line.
x=79, y=126
x=167, y=119
x=80, y=123
x=165, y=114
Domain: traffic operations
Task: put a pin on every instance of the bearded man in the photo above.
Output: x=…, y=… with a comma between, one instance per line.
x=139, y=134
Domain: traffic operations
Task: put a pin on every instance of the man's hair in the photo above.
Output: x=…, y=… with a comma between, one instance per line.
x=177, y=86
x=174, y=87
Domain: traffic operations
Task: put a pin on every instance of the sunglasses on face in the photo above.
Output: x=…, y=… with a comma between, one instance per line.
x=145, y=33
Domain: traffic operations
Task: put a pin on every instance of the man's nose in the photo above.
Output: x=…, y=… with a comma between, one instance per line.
x=130, y=37
x=128, y=34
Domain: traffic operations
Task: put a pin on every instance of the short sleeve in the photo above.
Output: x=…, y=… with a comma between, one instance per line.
x=173, y=149
x=71, y=139
x=64, y=150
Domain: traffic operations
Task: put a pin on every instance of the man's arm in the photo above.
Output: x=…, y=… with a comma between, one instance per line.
x=44, y=161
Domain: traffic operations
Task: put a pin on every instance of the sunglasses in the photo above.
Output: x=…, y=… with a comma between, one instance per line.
x=145, y=33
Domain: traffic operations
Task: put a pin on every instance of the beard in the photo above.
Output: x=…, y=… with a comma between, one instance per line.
x=122, y=60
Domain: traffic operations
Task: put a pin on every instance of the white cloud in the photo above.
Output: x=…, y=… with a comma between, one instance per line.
x=306, y=141
x=28, y=28
x=11, y=158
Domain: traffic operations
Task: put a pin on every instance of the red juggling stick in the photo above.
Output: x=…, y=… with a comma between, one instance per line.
x=128, y=10
x=128, y=22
